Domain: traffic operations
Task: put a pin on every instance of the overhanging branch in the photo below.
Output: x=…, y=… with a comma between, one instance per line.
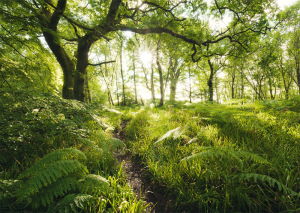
x=106, y=62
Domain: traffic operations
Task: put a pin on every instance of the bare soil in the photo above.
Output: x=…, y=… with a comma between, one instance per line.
x=135, y=173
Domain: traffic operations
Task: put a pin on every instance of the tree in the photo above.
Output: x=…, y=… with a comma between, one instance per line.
x=59, y=23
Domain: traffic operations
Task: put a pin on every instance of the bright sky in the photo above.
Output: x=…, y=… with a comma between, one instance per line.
x=283, y=3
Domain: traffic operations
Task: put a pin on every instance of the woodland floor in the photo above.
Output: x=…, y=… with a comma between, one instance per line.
x=135, y=173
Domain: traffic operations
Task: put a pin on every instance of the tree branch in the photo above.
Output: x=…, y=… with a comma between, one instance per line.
x=106, y=62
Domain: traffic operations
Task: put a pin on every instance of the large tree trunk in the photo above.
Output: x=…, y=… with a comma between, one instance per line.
x=161, y=80
x=210, y=81
x=84, y=45
x=53, y=41
x=68, y=67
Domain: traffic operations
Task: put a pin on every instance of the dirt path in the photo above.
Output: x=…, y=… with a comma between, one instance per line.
x=142, y=187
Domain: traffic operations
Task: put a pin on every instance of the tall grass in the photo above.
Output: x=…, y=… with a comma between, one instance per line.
x=223, y=157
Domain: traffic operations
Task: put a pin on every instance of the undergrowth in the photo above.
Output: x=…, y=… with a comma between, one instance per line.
x=222, y=158
x=57, y=156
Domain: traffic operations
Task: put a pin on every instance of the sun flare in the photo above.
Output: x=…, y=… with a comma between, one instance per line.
x=146, y=58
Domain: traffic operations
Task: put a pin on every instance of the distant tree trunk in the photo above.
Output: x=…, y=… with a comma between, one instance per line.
x=110, y=100
x=118, y=99
x=173, y=87
x=260, y=92
x=242, y=86
x=174, y=76
x=210, y=81
x=134, y=80
x=161, y=80
x=122, y=76
x=286, y=81
x=142, y=101
x=216, y=87
x=270, y=88
x=190, y=85
x=152, y=83
x=232, y=83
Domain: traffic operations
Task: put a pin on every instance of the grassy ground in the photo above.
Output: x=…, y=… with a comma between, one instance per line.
x=221, y=158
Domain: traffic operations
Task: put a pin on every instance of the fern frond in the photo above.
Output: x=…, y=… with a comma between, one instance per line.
x=50, y=174
x=220, y=152
x=87, y=142
x=94, y=185
x=56, y=189
x=115, y=143
x=264, y=178
x=175, y=133
x=214, y=152
x=256, y=158
x=71, y=201
x=67, y=153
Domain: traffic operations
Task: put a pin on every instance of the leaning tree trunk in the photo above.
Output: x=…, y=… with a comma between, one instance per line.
x=53, y=41
x=210, y=81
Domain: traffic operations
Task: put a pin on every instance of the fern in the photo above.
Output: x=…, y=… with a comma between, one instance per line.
x=70, y=202
x=115, y=143
x=94, y=185
x=49, y=174
x=220, y=152
x=175, y=133
x=271, y=181
x=58, y=188
x=67, y=153
x=87, y=142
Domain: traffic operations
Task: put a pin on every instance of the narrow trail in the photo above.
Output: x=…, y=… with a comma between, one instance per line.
x=135, y=176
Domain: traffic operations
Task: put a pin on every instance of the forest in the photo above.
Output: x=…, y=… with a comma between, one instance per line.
x=149, y=106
